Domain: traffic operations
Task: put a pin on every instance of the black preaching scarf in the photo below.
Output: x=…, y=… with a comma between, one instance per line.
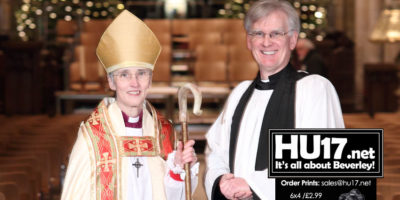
x=279, y=114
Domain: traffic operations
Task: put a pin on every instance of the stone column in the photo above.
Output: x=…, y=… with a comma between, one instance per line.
x=344, y=17
x=366, y=15
x=5, y=17
x=339, y=14
x=391, y=49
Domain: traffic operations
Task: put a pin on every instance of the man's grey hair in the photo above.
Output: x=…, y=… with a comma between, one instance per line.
x=263, y=8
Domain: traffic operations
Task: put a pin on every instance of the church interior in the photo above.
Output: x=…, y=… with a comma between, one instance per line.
x=51, y=79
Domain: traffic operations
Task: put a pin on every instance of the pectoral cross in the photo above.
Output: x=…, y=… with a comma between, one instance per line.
x=137, y=164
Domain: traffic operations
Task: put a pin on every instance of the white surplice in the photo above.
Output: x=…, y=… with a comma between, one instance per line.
x=139, y=180
x=316, y=106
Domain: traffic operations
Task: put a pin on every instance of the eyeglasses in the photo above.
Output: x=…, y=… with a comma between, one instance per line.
x=140, y=75
x=274, y=35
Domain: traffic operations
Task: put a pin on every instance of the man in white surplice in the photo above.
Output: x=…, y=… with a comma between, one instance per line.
x=279, y=97
x=125, y=149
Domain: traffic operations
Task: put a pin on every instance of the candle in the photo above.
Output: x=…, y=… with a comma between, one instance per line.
x=82, y=63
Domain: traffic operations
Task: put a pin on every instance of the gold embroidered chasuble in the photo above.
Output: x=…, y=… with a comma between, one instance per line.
x=101, y=137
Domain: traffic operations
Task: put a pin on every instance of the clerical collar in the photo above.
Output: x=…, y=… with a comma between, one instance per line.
x=270, y=85
x=129, y=120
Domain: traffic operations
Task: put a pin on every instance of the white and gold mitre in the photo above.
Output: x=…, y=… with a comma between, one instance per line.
x=128, y=42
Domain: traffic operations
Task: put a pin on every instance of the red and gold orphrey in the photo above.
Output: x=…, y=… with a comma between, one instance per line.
x=137, y=146
x=108, y=148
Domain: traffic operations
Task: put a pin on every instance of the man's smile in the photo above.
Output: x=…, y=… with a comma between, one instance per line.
x=268, y=52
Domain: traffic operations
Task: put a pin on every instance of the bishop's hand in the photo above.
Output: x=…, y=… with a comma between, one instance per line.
x=185, y=154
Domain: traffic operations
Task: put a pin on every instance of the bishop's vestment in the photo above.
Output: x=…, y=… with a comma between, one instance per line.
x=111, y=161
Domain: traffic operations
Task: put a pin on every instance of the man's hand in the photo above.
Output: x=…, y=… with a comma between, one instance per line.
x=185, y=154
x=241, y=188
x=234, y=188
x=225, y=186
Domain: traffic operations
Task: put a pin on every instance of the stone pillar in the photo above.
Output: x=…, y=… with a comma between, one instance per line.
x=339, y=14
x=343, y=17
x=366, y=15
x=5, y=17
x=391, y=49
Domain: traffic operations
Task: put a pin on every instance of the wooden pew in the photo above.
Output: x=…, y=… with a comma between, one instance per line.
x=25, y=187
x=10, y=190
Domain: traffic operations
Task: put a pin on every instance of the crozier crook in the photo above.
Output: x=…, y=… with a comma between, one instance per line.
x=182, y=98
x=183, y=118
